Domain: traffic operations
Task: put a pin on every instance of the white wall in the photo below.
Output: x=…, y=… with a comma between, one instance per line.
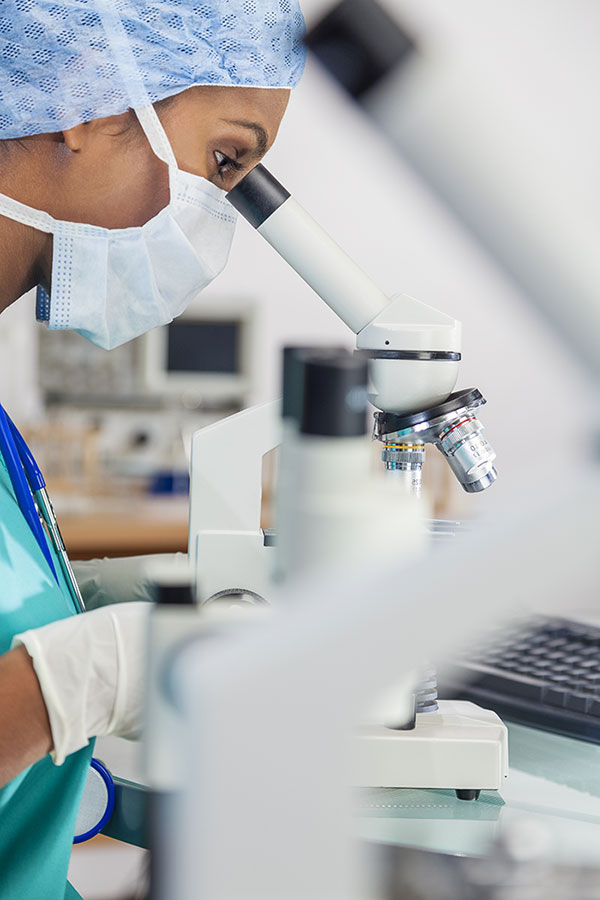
x=18, y=360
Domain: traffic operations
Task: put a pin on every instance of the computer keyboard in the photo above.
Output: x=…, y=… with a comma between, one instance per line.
x=544, y=673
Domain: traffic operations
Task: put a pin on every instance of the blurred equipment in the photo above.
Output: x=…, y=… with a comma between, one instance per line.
x=231, y=552
x=203, y=357
x=134, y=409
x=544, y=672
x=513, y=154
x=202, y=360
x=519, y=867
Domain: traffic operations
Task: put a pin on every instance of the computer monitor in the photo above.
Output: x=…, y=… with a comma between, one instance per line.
x=206, y=354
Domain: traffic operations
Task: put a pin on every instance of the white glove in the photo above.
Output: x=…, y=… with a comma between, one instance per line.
x=91, y=669
x=104, y=581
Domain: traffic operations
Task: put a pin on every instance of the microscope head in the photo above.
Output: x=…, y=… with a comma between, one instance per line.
x=414, y=353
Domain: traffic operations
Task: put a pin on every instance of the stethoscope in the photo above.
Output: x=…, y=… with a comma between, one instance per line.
x=35, y=504
x=98, y=799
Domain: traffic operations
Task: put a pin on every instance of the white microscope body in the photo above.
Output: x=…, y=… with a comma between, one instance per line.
x=414, y=355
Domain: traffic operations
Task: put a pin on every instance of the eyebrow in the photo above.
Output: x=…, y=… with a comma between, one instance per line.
x=262, y=138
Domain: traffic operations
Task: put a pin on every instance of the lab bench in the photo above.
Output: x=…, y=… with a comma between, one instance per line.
x=113, y=527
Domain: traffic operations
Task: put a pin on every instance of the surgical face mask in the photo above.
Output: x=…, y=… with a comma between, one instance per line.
x=111, y=285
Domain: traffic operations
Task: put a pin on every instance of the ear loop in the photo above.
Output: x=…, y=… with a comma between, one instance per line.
x=157, y=137
x=41, y=221
x=26, y=215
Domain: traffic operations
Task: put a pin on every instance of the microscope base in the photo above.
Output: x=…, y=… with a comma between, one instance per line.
x=461, y=747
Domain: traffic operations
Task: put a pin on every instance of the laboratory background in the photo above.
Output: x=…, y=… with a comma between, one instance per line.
x=471, y=183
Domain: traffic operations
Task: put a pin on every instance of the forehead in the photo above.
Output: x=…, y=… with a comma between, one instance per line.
x=264, y=106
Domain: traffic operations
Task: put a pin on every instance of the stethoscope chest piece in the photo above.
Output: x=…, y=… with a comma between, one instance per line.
x=97, y=803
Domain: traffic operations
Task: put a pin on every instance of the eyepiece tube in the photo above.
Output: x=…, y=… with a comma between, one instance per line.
x=308, y=249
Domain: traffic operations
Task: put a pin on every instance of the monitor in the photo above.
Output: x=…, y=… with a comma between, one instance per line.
x=206, y=354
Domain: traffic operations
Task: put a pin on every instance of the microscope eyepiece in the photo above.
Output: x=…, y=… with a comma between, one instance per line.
x=258, y=195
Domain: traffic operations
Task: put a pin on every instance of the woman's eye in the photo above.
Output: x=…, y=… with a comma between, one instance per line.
x=226, y=165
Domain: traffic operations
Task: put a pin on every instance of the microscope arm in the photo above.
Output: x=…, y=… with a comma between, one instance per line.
x=396, y=332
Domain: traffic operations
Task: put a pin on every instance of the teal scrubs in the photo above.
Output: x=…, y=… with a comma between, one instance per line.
x=38, y=809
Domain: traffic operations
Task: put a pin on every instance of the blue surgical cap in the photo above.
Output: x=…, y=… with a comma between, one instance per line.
x=63, y=62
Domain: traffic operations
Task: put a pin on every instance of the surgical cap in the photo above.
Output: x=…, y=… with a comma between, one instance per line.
x=63, y=62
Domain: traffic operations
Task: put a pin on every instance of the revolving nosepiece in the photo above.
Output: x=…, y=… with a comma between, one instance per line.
x=453, y=428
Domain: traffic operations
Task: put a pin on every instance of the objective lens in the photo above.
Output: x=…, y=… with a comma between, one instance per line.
x=469, y=453
x=404, y=462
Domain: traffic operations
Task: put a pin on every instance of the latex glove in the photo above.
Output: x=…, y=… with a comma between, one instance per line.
x=91, y=669
x=104, y=581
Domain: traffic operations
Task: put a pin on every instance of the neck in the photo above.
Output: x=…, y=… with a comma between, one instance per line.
x=22, y=251
x=25, y=253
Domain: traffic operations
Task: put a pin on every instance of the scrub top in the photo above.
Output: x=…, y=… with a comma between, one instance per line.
x=38, y=809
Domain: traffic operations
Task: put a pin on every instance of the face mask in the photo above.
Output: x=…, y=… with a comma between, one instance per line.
x=111, y=285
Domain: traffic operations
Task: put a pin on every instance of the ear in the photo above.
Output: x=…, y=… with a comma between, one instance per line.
x=75, y=137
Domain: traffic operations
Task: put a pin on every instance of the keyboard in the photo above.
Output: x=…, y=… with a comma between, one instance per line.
x=544, y=673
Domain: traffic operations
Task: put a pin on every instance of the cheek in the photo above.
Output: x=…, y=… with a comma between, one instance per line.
x=130, y=188
x=145, y=187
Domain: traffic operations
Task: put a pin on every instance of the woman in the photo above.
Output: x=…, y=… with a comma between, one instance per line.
x=122, y=123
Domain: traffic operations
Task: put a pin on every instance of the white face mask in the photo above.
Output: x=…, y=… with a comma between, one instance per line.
x=111, y=285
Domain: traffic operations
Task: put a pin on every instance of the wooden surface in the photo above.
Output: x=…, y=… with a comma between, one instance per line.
x=125, y=529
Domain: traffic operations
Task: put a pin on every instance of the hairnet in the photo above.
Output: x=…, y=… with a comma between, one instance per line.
x=63, y=62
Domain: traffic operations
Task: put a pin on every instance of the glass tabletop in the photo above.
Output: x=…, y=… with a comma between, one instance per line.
x=553, y=779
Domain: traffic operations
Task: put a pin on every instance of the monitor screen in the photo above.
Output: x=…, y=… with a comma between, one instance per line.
x=208, y=346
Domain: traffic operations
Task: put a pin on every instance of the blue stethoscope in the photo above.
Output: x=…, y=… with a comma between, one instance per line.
x=98, y=799
x=35, y=504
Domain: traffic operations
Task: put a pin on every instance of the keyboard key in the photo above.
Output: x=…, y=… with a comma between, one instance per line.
x=579, y=686
x=522, y=686
x=555, y=696
x=577, y=702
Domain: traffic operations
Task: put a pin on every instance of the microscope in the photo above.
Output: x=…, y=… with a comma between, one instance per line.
x=414, y=353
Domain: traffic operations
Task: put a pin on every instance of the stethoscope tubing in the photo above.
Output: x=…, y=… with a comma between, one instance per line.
x=16, y=471
x=30, y=490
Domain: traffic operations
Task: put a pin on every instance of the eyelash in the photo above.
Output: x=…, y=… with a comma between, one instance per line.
x=226, y=165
